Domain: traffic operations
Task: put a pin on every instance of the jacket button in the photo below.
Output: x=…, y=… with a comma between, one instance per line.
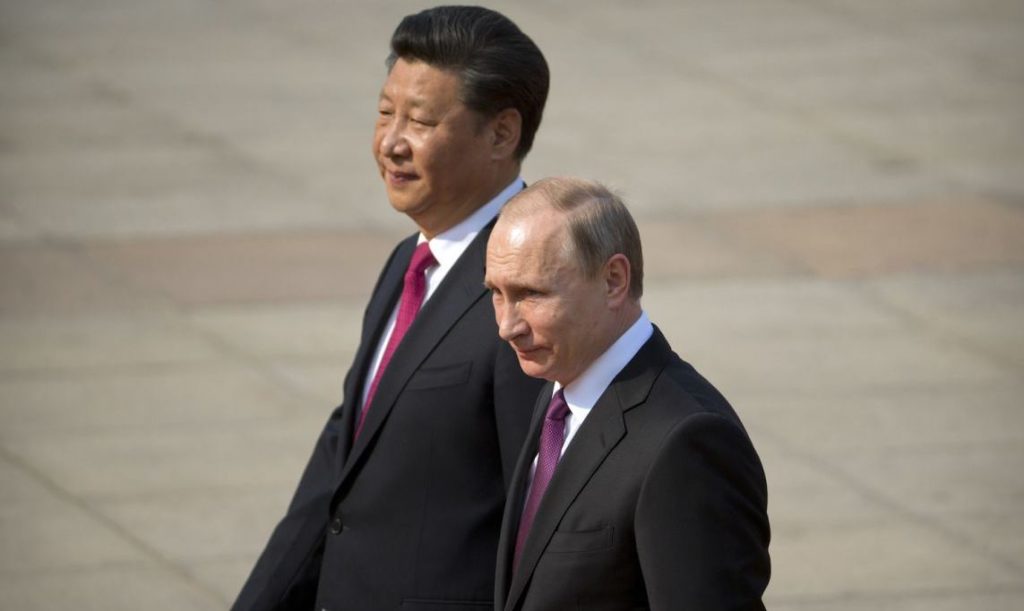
x=335, y=526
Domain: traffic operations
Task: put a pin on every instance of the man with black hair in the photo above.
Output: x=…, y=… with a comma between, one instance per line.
x=401, y=502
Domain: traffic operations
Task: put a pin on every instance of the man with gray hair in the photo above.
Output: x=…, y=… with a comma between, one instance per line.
x=638, y=486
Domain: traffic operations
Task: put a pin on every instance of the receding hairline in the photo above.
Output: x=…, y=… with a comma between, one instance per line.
x=551, y=193
x=597, y=222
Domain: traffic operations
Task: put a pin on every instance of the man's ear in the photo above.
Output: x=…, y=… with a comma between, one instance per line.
x=506, y=128
x=617, y=274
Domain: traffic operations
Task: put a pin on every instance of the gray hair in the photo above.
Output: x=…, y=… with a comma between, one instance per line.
x=599, y=224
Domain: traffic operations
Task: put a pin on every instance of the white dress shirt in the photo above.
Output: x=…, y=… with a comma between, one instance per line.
x=446, y=247
x=582, y=393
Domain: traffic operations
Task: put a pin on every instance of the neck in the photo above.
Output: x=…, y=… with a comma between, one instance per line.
x=621, y=321
x=431, y=227
x=624, y=319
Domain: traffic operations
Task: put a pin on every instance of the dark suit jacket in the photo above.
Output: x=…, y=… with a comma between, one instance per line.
x=659, y=502
x=408, y=517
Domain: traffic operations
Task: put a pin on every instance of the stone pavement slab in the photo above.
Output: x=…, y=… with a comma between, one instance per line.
x=120, y=464
x=886, y=423
x=888, y=238
x=893, y=557
x=327, y=329
x=187, y=395
x=992, y=599
x=195, y=528
x=980, y=310
x=281, y=267
x=46, y=279
x=104, y=588
x=32, y=344
x=55, y=535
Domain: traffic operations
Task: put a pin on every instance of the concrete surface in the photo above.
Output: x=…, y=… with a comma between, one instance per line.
x=831, y=195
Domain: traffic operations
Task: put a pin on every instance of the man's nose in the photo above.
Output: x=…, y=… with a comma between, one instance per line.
x=393, y=142
x=510, y=324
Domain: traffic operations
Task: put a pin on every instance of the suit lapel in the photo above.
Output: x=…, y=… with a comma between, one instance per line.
x=461, y=288
x=517, y=492
x=601, y=431
x=382, y=303
x=595, y=439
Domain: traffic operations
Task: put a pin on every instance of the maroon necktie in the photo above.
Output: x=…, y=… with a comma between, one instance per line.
x=551, y=438
x=412, y=298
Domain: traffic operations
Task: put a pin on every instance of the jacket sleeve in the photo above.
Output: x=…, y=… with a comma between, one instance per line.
x=701, y=520
x=287, y=572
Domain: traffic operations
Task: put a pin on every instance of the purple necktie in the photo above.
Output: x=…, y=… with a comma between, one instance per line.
x=551, y=438
x=412, y=298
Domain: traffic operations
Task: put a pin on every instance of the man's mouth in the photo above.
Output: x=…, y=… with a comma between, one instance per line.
x=399, y=178
x=527, y=352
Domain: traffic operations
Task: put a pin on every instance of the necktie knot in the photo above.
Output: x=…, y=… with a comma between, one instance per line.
x=558, y=409
x=422, y=259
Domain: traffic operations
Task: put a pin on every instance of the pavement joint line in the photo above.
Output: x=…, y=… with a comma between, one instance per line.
x=870, y=25
x=224, y=347
x=79, y=569
x=78, y=249
x=111, y=369
x=792, y=264
x=949, y=338
x=139, y=368
x=104, y=90
x=202, y=492
x=745, y=395
x=161, y=561
x=259, y=365
x=925, y=594
x=182, y=427
x=831, y=469
x=878, y=153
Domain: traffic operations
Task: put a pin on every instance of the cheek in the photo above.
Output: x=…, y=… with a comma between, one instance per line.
x=547, y=328
x=443, y=156
x=567, y=330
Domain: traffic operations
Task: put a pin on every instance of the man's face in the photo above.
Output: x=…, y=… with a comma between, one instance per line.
x=553, y=316
x=433, y=153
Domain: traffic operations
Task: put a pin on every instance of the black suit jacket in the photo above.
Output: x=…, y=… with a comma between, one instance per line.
x=408, y=516
x=659, y=502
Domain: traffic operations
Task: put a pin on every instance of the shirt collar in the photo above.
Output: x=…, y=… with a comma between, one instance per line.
x=449, y=245
x=582, y=393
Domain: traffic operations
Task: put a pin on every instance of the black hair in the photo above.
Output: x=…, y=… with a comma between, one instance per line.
x=498, y=65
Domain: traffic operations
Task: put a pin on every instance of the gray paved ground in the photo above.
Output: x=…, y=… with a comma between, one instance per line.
x=831, y=195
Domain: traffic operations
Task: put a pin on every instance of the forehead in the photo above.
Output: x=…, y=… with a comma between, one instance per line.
x=533, y=244
x=419, y=83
